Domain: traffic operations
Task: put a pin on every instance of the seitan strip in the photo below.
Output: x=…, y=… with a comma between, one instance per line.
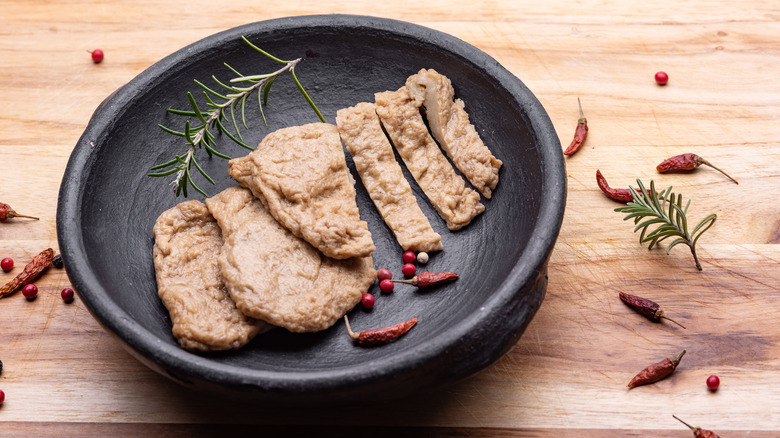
x=383, y=178
x=300, y=174
x=455, y=203
x=187, y=241
x=277, y=277
x=450, y=126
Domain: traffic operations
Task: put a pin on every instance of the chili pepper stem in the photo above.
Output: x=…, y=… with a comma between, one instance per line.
x=703, y=161
x=661, y=314
x=582, y=118
x=352, y=334
x=689, y=426
x=676, y=360
x=12, y=215
x=410, y=281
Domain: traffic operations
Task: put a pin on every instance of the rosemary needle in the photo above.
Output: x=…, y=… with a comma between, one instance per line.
x=220, y=113
x=671, y=219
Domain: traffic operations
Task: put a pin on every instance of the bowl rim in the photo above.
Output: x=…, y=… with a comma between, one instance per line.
x=173, y=358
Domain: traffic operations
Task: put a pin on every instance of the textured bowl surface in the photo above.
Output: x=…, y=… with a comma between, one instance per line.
x=108, y=206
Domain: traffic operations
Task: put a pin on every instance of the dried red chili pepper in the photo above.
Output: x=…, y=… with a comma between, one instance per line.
x=622, y=195
x=429, y=279
x=33, y=269
x=656, y=371
x=687, y=162
x=381, y=336
x=646, y=307
x=698, y=432
x=579, y=134
x=6, y=212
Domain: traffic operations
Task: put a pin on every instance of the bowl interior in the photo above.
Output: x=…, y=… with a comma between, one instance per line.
x=109, y=205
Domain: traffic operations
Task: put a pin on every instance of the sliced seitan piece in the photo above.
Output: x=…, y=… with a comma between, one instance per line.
x=455, y=203
x=300, y=174
x=205, y=318
x=277, y=277
x=450, y=126
x=383, y=178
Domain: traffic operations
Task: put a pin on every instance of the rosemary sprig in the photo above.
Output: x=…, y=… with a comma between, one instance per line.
x=672, y=219
x=220, y=107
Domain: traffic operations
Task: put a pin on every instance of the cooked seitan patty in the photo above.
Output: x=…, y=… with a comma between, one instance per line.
x=450, y=126
x=277, y=277
x=383, y=178
x=455, y=203
x=300, y=174
x=205, y=318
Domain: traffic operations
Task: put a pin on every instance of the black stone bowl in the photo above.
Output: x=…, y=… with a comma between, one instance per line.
x=108, y=206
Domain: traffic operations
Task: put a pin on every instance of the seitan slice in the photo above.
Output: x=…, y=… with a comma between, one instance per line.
x=455, y=203
x=300, y=174
x=383, y=178
x=450, y=126
x=205, y=318
x=277, y=277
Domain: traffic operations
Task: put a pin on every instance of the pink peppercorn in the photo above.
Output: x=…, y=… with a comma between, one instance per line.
x=409, y=269
x=2, y=397
x=661, y=78
x=7, y=264
x=384, y=274
x=30, y=291
x=97, y=56
x=368, y=300
x=386, y=286
x=409, y=257
x=713, y=382
x=67, y=295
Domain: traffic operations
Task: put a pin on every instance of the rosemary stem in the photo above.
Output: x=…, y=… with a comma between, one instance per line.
x=695, y=259
x=180, y=174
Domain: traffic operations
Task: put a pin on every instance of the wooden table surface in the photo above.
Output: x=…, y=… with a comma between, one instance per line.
x=64, y=375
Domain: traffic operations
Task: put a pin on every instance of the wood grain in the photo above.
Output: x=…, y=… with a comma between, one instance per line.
x=64, y=375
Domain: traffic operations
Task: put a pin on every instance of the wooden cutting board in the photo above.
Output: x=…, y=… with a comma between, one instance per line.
x=64, y=375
